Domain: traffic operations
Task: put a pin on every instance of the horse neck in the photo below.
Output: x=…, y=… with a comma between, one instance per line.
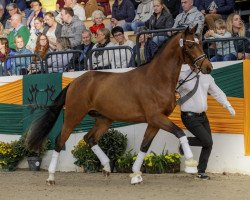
x=167, y=64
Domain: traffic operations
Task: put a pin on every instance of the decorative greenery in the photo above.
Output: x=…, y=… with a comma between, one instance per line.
x=113, y=143
x=162, y=163
x=10, y=155
x=125, y=162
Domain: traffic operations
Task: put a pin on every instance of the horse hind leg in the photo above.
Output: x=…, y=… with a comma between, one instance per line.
x=71, y=119
x=102, y=124
x=150, y=134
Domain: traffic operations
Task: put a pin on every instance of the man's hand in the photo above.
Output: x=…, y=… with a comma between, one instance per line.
x=231, y=110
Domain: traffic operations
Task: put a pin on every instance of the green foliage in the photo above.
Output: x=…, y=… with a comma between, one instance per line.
x=125, y=162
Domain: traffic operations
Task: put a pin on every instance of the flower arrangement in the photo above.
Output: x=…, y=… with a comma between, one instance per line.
x=125, y=162
x=10, y=155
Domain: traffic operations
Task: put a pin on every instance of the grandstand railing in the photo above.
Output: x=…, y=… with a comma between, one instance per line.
x=154, y=33
x=21, y=65
x=64, y=61
x=240, y=44
x=115, y=58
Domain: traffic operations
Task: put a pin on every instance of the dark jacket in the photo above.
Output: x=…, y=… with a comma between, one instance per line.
x=225, y=7
x=150, y=49
x=125, y=11
x=74, y=61
x=164, y=21
x=57, y=32
x=173, y=6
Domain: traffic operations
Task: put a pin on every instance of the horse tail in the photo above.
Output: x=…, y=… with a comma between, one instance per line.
x=41, y=126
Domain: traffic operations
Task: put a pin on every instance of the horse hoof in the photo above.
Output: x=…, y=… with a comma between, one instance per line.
x=191, y=170
x=105, y=173
x=136, y=180
x=50, y=182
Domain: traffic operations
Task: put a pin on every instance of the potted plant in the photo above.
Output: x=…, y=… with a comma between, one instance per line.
x=34, y=159
x=113, y=143
x=173, y=162
x=10, y=155
x=85, y=157
x=125, y=162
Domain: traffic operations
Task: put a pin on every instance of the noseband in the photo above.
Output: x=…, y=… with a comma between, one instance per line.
x=200, y=58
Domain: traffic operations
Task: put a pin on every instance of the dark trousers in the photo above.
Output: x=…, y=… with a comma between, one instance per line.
x=198, y=125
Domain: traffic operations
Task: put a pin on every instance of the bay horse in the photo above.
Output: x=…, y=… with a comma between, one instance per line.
x=145, y=94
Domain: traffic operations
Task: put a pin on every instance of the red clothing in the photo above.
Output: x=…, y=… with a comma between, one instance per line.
x=95, y=28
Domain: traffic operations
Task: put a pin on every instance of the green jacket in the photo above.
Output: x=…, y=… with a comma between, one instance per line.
x=22, y=31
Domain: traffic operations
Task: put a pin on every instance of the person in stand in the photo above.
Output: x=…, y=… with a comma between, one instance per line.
x=193, y=113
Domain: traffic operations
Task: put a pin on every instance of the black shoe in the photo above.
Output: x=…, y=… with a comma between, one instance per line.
x=203, y=176
x=181, y=150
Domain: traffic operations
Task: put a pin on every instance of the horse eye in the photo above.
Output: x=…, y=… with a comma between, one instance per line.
x=190, y=46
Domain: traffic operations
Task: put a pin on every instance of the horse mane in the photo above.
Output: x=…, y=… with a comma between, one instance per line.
x=161, y=47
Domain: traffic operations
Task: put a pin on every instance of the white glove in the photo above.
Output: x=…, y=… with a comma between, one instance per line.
x=231, y=110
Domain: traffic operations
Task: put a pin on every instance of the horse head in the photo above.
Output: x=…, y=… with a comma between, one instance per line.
x=193, y=53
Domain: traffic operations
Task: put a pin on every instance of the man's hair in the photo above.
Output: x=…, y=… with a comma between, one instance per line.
x=117, y=29
x=37, y=1
x=69, y=11
x=11, y=5
x=220, y=23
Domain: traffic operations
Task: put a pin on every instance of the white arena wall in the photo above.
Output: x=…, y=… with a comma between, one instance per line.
x=228, y=153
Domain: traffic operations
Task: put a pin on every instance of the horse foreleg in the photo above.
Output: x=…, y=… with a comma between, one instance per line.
x=52, y=168
x=147, y=140
x=164, y=123
x=92, y=137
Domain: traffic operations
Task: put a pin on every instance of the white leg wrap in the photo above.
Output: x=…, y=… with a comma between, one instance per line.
x=138, y=162
x=101, y=155
x=186, y=148
x=53, y=162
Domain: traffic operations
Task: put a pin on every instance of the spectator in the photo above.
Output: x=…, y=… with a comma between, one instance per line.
x=173, y=6
x=225, y=50
x=190, y=17
x=52, y=29
x=215, y=9
x=122, y=56
x=236, y=27
x=72, y=26
x=19, y=29
x=161, y=19
x=143, y=13
x=102, y=59
x=59, y=5
x=97, y=18
x=2, y=15
x=90, y=6
x=39, y=26
x=12, y=10
x=77, y=10
x=37, y=12
x=77, y=62
x=21, y=4
x=58, y=62
x=105, y=6
x=21, y=63
x=41, y=49
x=122, y=11
x=5, y=51
x=48, y=5
x=147, y=47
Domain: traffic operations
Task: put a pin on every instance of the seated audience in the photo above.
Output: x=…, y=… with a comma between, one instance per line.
x=18, y=29
x=122, y=11
x=190, y=17
x=52, y=29
x=147, y=48
x=38, y=29
x=5, y=51
x=20, y=64
x=21, y=4
x=143, y=13
x=215, y=9
x=173, y=6
x=97, y=18
x=161, y=19
x=104, y=4
x=59, y=62
x=225, y=50
x=236, y=27
x=37, y=12
x=72, y=27
x=121, y=56
x=102, y=59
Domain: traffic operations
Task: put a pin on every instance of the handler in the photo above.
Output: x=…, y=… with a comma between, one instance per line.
x=193, y=112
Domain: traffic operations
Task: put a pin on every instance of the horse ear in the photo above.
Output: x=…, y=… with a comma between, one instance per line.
x=193, y=30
